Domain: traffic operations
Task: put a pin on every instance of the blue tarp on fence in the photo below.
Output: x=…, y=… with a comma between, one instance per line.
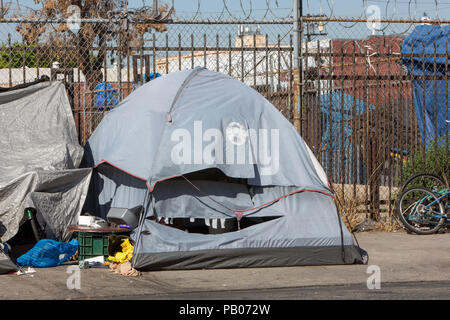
x=337, y=110
x=431, y=97
x=111, y=95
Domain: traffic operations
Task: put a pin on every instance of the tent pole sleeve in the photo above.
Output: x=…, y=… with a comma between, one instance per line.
x=146, y=206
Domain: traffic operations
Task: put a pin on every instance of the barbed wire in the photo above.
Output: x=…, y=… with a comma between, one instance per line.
x=387, y=10
x=384, y=15
x=226, y=9
x=250, y=9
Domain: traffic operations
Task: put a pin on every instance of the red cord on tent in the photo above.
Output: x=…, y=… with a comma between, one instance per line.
x=284, y=196
x=238, y=213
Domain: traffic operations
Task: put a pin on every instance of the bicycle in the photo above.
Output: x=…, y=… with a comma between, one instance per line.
x=424, y=204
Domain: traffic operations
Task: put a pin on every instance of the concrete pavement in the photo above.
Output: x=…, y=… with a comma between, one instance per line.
x=401, y=257
x=388, y=291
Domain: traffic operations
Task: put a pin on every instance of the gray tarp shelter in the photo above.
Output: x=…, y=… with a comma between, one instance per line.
x=226, y=181
x=39, y=160
x=6, y=264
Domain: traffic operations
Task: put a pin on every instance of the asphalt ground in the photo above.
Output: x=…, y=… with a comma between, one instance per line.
x=434, y=290
x=403, y=265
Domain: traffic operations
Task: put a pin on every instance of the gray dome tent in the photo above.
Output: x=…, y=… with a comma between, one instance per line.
x=226, y=181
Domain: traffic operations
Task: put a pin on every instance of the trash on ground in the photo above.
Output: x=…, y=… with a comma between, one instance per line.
x=366, y=225
x=28, y=271
x=48, y=253
x=124, y=269
x=95, y=262
x=120, y=262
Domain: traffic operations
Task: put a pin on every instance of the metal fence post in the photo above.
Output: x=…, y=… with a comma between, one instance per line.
x=298, y=78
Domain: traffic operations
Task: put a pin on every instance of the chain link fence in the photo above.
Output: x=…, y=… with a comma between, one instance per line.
x=98, y=77
x=105, y=50
x=374, y=108
x=362, y=99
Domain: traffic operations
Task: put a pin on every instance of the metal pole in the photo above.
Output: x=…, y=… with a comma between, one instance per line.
x=298, y=78
x=155, y=8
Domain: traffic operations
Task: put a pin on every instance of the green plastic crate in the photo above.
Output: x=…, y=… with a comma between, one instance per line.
x=91, y=244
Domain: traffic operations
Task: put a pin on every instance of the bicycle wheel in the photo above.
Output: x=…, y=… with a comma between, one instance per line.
x=429, y=181
x=420, y=211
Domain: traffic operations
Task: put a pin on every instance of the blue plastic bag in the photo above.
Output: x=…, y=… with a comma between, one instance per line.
x=48, y=253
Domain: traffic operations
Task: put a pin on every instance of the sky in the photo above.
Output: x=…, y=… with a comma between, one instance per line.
x=283, y=8
x=339, y=8
x=280, y=9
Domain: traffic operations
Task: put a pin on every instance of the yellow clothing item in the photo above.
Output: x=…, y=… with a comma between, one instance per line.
x=125, y=255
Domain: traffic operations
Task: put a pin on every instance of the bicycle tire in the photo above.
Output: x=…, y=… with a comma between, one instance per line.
x=411, y=227
x=422, y=175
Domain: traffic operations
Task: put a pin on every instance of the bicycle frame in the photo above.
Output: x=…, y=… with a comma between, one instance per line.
x=435, y=215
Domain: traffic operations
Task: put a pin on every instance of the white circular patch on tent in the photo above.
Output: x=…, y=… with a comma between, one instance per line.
x=236, y=133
